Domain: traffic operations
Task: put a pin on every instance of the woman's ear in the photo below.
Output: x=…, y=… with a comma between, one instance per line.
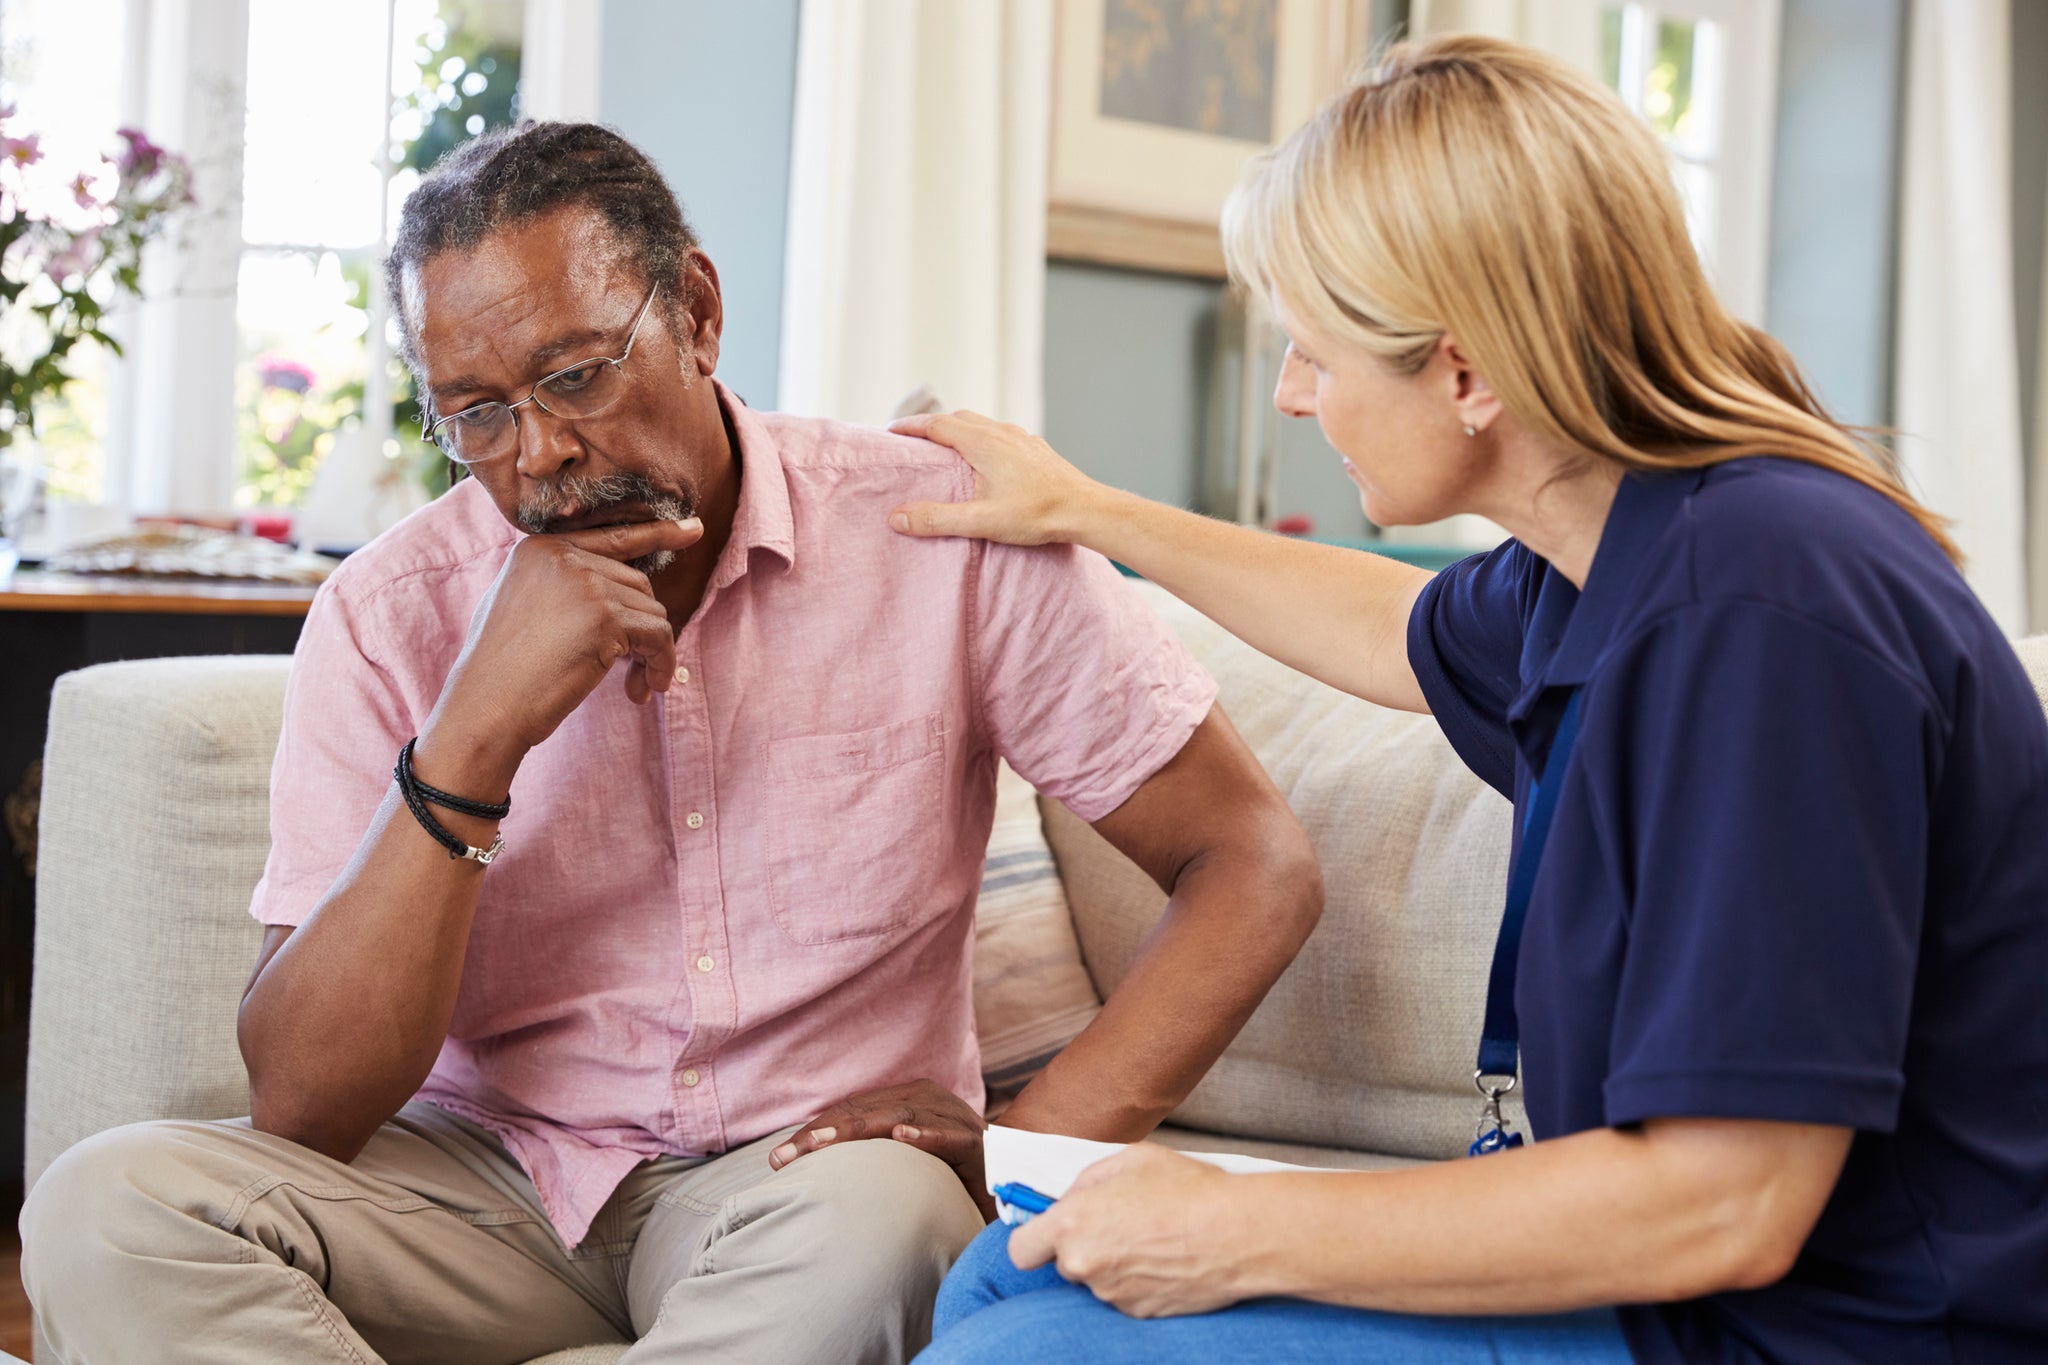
x=1473, y=400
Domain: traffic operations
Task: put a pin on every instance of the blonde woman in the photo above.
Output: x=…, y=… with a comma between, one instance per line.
x=1779, y=905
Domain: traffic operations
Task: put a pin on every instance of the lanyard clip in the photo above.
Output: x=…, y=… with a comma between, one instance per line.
x=1493, y=1133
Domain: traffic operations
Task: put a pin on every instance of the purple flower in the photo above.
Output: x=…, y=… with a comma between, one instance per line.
x=281, y=372
x=141, y=157
x=81, y=190
x=22, y=151
x=78, y=257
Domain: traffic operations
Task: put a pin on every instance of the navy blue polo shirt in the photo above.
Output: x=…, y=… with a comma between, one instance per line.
x=1798, y=871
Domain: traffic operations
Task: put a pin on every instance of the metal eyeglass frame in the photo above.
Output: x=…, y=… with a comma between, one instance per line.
x=431, y=429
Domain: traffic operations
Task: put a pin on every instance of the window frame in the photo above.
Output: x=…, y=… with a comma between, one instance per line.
x=170, y=445
x=1741, y=162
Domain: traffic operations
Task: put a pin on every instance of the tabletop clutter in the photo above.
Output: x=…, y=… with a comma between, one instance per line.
x=183, y=551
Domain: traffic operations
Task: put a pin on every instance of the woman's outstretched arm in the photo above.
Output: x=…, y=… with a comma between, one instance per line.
x=1675, y=1209
x=1335, y=614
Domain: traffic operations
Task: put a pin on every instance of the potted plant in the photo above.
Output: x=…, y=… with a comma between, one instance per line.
x=69, y=251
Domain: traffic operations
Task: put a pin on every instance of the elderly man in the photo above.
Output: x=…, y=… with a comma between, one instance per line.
x=680, y=1049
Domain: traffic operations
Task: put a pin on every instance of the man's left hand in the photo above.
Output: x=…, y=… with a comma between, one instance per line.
x=922, y=1114
x=1146, y=1230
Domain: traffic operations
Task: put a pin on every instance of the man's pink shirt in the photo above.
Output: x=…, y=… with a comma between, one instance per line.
x=718, y=912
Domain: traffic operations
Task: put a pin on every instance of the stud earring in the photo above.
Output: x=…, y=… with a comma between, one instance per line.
x=1471, y=430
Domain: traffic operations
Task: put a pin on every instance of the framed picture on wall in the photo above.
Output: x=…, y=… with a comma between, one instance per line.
x=1158, y=104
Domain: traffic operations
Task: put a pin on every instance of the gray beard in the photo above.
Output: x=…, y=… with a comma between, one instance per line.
x=539, y=512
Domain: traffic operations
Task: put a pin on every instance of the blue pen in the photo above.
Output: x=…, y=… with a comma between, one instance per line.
x=1019, y=1204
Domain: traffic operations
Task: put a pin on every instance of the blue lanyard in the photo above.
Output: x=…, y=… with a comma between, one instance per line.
x=1499, y=1038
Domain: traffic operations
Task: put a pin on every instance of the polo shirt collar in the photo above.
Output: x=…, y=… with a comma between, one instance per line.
x=763, y=520
x=1570, y=628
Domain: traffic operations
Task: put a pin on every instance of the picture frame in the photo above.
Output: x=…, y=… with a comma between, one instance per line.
x=1158, y=105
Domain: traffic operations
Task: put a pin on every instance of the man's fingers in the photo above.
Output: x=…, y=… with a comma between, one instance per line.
x=840, y=1123
x=807, y=1139
x=646, y=641
x=634, y=539
x=935, y=519
x=851, y=1121
x=951, y=1145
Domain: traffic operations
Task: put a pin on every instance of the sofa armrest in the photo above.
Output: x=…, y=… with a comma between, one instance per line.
x=153, y=832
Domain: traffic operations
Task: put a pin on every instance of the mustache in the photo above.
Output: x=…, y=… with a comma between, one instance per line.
x=541, y=511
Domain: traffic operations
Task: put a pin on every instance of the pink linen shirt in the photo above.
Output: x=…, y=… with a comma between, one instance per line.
x=718, y=912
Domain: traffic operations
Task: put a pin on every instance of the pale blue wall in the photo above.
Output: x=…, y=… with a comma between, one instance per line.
x=706, y=88
x=1126, y=360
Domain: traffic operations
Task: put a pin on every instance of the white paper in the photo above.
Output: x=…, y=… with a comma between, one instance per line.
x=1048, y=1162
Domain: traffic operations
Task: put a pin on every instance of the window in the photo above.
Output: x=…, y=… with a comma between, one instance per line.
x=1704, y=73
x=60, y=67
x=263, y=343
x=332, y=148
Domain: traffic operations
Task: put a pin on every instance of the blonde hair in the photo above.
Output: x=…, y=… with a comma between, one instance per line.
x=1478, y=188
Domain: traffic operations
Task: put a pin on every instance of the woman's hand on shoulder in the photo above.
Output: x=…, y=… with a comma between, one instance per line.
x=1024, y=493
x=1146, y=1230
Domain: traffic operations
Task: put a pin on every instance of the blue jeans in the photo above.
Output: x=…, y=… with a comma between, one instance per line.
x=991, y=1311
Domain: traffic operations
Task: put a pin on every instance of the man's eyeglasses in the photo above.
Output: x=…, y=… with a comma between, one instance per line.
x=585, y=389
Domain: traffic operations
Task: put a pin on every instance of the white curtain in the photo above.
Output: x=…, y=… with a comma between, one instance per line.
x=1570, y=30
x=2037, y=513
x=171, y=433
x=1956, y=375
x=916, y=242
x=561, y=59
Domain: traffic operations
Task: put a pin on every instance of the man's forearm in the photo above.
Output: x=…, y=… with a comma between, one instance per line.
x=344, y=1021
x=1236, y=919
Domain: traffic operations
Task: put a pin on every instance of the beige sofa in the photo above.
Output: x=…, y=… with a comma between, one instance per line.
x=153, y=833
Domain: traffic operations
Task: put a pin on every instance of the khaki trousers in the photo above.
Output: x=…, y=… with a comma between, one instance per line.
x=211, y=1242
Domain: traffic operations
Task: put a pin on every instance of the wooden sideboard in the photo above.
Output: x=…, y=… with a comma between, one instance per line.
x=35, y=591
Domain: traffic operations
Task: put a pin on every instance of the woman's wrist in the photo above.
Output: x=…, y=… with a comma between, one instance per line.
x=1237, y=1222
x=1093, y=517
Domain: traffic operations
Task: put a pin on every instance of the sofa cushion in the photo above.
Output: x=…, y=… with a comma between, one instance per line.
x=1367, y=1041
x=155, y=785
x=2033, y=653
x=1031, y=993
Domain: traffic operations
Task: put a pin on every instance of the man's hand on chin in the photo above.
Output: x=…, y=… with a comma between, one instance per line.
x=922, y=1114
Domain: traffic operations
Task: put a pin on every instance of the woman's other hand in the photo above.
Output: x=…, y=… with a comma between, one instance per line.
x=1024, y=493
x=1147, y=1231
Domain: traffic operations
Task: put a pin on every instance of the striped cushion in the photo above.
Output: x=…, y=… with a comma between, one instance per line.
x=1031, y=992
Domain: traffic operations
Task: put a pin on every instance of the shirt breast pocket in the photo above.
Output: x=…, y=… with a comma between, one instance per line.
x=854, y=829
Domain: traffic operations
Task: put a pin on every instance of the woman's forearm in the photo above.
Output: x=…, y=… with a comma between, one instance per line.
x=1338, y=615
x=1680, y=1209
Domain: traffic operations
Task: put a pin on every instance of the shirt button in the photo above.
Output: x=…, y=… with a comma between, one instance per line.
x=705, y=964
x=682, y=675
x=691, y=1077
x=695, y=820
